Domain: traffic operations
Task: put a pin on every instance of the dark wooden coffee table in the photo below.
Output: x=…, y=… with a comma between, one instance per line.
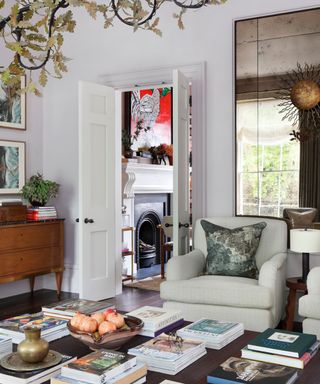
x=197, y=372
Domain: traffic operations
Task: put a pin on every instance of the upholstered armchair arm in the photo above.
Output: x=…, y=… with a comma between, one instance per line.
x=273, y=276
x=313, y=281
x=186, y=266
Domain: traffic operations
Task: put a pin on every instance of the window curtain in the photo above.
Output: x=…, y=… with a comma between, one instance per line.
x=309, y=181
x=259, y=122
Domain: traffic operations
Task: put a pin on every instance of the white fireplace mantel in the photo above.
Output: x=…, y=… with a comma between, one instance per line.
x=146, y=178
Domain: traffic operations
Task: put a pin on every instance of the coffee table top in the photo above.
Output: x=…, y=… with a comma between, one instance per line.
x=197, y=372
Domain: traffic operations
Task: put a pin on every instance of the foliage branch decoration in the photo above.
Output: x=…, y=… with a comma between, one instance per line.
x=34, y=30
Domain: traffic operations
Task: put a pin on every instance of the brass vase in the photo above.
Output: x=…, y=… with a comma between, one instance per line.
x=33, y=349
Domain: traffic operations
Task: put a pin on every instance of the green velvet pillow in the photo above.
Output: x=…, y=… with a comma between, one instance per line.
x=231, y=252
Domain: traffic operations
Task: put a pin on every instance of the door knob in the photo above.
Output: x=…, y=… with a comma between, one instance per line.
x=186, y=225
x=167, y=225
x=77, y=219
x=90, y=221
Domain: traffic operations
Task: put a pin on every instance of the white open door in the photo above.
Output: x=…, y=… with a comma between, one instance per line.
x=181, y=208
x=97, y=200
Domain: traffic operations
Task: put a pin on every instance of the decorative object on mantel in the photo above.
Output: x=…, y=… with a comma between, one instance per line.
x=305, y=241
x=128, y=139
x=161, y=152
x=39, y=191
x=33, y=31
x=301, y=101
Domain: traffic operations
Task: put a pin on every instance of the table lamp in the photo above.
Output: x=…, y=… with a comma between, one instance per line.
x=305, y=241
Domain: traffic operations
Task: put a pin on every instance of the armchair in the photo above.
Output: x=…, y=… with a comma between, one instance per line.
x=258, y=304
x=309, y=305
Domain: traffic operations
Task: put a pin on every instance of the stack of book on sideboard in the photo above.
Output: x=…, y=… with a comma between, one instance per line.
x=51, y=328
x=216, y=334
x=157, y=320
x=66, y=309
x=103, y=366
x=272, y=357
x=168, y=354
x=41, y=213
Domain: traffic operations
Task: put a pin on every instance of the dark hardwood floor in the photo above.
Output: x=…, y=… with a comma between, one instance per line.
x=131, y=298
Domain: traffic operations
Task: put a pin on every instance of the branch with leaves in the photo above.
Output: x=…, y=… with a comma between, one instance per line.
x=34, y=31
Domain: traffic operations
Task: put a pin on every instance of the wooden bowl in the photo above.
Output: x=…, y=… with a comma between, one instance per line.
x=113, y=340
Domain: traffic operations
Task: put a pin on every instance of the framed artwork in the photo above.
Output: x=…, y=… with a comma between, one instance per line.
x=153, y=109
x=13, y=105
x=12, y=166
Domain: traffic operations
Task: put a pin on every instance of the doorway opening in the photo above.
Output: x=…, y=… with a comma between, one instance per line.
x=147, y=177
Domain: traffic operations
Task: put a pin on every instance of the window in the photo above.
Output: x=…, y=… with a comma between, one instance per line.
x=267, y=160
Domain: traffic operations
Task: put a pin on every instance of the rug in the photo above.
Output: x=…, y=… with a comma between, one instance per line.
x=150, y=283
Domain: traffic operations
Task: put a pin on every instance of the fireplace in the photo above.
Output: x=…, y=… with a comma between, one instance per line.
x=149, y=210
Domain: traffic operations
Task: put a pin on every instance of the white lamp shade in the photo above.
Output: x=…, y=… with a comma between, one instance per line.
x=305, y=241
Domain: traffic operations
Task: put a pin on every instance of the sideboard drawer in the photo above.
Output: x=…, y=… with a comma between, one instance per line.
x=29, y=261
x=29, y=236
x=28, y=249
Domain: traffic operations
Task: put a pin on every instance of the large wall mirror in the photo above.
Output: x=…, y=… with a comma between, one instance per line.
x=274, y=170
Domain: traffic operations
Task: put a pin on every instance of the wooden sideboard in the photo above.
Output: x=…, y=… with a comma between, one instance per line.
x=28, y=249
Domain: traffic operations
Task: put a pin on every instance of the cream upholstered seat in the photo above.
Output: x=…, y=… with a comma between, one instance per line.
x=258, y=304
x=309, y=305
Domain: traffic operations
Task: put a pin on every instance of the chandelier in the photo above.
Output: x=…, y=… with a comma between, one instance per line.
x=33, y=30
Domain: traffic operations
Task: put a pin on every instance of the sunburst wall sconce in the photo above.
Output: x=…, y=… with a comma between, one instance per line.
x=300, y=92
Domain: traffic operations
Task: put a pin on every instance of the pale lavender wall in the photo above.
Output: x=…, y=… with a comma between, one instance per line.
x=95, y=52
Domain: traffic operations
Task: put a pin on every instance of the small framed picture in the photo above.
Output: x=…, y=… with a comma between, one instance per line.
x=13, y=105
x=12, y=166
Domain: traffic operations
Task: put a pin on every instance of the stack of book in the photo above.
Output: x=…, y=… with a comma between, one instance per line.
x=103, y=366
x=5, y=345
x=157, y=320
x=216, y=334
x=41, y=213
x=36, y=376
x=168, y=354
x=66, y=309
x=51, y=328
x=236, y=370
x=291, y=349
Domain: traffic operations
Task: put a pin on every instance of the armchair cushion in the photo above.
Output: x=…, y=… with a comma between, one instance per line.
x=231, y=252
x=309, y=306
x=218, y=290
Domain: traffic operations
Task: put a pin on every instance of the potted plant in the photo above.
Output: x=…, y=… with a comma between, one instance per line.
x=39, y=191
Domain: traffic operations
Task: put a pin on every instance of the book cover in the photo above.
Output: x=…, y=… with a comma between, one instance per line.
x=15, y=325
x=166, y=347
x=238, y=370
x=208, y=327
x=156, y=317
x=127, y=377
x=99, y=366
x=165, y=329
x=282, y=342
x=13, y=377
x=293, y=362
x=70, y=306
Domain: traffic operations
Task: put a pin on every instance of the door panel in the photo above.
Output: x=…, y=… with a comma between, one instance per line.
x=181, y=210
x=97, y=180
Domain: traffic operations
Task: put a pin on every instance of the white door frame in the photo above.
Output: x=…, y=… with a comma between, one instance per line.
x=155, y=76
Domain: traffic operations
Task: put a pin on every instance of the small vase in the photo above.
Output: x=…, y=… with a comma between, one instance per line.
x=33, y=349
x=35, y=203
